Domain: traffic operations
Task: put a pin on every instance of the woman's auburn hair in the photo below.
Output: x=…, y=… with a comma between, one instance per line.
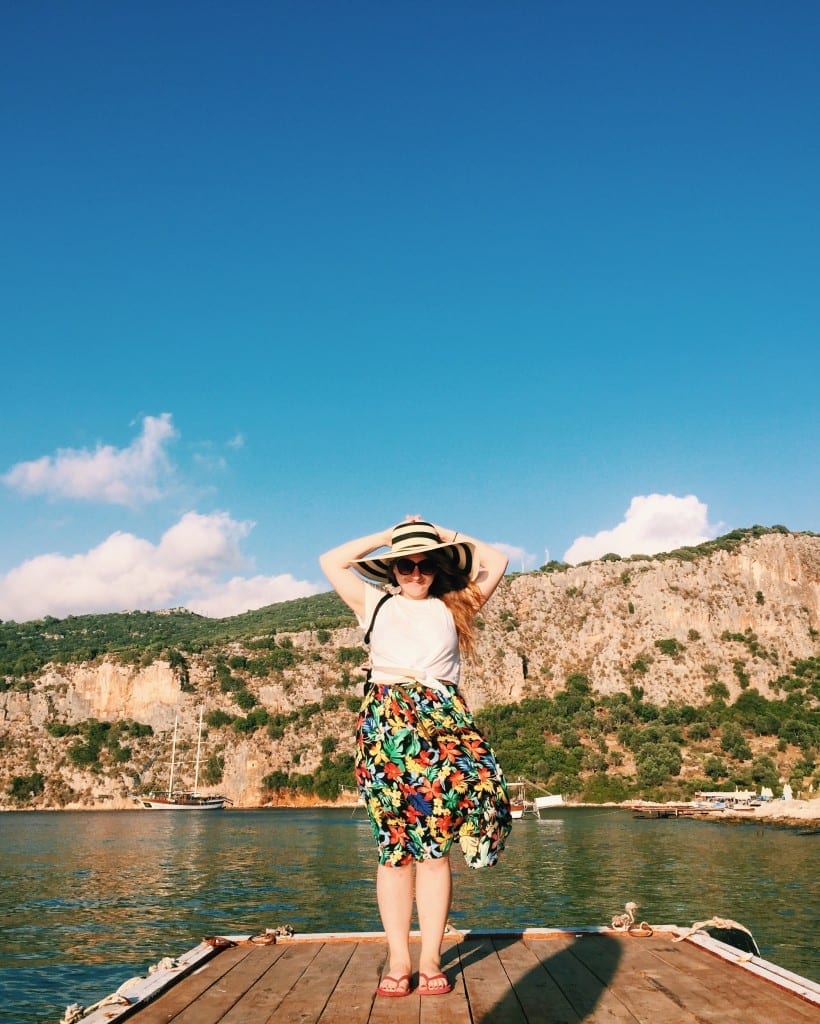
x=464, y=605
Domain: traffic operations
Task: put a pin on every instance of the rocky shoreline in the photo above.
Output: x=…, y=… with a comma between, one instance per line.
x=790, y=813
x=785, y=812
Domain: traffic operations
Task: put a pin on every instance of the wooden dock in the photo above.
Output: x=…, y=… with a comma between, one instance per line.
x=530, y=977
x=590, y=975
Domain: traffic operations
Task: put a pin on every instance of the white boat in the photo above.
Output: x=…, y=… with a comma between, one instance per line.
x=181, y=799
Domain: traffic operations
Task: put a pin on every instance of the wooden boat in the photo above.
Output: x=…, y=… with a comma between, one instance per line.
x=575, y=975
x=520, y=806
x=181, y=799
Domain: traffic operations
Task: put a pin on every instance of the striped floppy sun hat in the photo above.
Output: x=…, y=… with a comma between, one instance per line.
x=416, y=539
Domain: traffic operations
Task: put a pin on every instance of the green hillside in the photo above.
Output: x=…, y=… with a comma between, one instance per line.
x=140, y=637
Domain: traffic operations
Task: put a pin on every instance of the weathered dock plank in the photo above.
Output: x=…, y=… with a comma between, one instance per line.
x=264, y=1000
x=594, y=976
x=555, y=1006
x=711, y=990
x=645, y=985
x=591, y=996
x=307, y=999
x=486, y=981
x=352, y=997
x=569, y=996
x=530, y=984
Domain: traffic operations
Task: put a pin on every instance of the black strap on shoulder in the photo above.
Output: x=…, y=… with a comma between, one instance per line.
x=382, y=599
x=368, y=686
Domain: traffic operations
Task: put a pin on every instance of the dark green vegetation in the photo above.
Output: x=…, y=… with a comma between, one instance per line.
x=610, y=748
x=92, y=737
x=94, y=746
x=142, y=637
x=332, y=777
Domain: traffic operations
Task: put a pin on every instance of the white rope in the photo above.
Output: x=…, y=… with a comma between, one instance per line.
x=115, y=999
x=131, y=983
x=75, y=1012
x=623, y=922
x=168, y=963
x=626, y=922
x=716, y=922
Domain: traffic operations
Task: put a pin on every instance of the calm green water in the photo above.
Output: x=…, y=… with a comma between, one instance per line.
x=88, y=900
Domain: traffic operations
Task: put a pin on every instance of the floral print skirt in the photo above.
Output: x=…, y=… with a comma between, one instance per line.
x=428, y=777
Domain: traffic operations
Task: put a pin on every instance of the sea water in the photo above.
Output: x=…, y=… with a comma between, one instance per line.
x=89, y=900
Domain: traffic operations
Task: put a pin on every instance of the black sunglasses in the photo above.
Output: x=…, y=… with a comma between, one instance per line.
x=406, y=566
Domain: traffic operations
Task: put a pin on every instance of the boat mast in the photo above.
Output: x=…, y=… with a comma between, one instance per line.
x=173, y=761
x=198, y=748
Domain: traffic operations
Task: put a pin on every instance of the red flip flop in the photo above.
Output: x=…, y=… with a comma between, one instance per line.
x=438, y=990
x=394, y=992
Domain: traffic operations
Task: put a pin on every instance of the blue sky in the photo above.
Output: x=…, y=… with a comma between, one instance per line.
x=277, y=274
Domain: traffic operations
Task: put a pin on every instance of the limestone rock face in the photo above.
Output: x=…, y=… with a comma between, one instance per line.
x=606, y=618
x=671, y=627
x=110, y=692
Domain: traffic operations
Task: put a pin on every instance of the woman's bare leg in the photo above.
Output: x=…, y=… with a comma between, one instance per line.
x=434, y=889
x=394, y=892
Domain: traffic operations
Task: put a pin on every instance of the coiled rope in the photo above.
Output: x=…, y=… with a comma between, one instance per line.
x=626, y=922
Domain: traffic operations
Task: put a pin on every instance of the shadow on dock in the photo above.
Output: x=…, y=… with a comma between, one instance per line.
x=503, y=982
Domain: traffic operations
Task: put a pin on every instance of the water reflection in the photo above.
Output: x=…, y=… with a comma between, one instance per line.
x=89, y=900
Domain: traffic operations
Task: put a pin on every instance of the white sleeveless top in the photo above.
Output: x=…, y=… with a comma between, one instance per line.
x=420, y=635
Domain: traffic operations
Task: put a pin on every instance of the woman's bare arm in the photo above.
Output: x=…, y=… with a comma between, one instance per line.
x=493, y=562
x=344, y=580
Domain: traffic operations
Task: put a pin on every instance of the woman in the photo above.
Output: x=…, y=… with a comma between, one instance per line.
x=427, y=775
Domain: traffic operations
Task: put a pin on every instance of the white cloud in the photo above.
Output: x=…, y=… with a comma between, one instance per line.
x=124, y=476
x=129, y=572
x=209, y=543
x=241, y=594
x=520, y=560
x=653, y=523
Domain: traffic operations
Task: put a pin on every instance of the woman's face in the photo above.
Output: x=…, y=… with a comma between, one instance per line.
x=415, y=575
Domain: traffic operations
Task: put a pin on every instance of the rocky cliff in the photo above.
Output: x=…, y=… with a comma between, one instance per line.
x=672, y=627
